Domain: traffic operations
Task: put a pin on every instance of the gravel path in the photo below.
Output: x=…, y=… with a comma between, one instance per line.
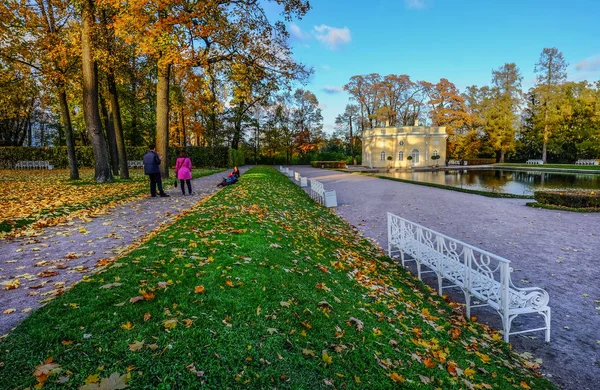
x=47, y=264
x=554, y=250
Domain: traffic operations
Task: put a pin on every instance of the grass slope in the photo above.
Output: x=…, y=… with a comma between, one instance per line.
x=258, y=288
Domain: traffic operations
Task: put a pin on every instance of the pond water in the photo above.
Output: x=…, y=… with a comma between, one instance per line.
x=504, y=181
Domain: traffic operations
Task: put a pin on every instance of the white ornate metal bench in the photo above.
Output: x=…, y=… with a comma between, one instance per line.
x=587, y=162
x=535, y=162
x=135, y=164
x=480, y=274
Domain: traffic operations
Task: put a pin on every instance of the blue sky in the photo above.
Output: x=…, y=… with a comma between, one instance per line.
x=461, y=40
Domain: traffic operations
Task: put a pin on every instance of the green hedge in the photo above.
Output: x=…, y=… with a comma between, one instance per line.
x=481, y=161
x=328, y=164
x=575, y=199
x=219, y=156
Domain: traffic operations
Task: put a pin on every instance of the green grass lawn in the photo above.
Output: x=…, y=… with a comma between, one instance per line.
x=258, y=287
x=551, y=166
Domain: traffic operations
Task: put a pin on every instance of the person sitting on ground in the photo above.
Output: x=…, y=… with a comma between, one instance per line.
x=231, y=178
x=152, y=169
x=235, y=172
x=183, y=170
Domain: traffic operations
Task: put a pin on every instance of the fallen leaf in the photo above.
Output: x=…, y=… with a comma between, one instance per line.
x=199, y=289
x=136, y=346
x=397, y=378
x=326, y=358
x=170, y=324
x=127, y=326
x=357, y=322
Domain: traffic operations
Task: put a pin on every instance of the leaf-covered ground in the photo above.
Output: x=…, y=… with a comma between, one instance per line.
x=40, y=198
x=260, y=288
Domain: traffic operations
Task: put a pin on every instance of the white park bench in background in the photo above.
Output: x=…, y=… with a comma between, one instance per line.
x=480, y=274
x=535, y=162
x=34, y=165
x=587, y=162
x=135, y=164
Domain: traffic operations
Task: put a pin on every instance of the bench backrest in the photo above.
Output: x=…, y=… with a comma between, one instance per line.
x=485, y=275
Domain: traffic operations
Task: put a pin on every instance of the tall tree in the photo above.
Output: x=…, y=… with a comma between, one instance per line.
x=307, y=120
x=93, y=123
x=41, y=34
x=551, y=70
x=502, y=114
x=448, y=109
x=346, y=122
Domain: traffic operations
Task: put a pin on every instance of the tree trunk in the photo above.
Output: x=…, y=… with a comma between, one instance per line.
x=118, y=124
x=90, y=97
x=183, y=128
x=162, y=116
x=501, y=156
x=352, y=143
x=66, y=117
x=110, y=137
x=545, y=144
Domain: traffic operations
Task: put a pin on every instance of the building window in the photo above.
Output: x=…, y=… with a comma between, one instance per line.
x=382, y=156
x=382, y=131
x=400, y=156
x=401, y=143
x=436, y=153
x=415, y=156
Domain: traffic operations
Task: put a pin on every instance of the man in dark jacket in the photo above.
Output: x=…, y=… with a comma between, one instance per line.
x=152, y=169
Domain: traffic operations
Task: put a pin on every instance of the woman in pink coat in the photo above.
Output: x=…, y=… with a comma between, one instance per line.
x=183, y=170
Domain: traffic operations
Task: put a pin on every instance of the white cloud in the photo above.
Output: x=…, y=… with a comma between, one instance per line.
x=326, y=67
x=590, y=64
x=296, y=32
x=331, y=36
x=332, y=90
x=414, y=4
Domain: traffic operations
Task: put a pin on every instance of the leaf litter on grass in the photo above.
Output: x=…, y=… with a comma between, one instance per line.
x=291, y=297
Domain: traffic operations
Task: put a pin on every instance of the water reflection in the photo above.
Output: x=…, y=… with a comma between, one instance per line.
x=504, y=181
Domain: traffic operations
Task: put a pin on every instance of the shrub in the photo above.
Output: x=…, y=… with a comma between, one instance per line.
x=574, y=199
x=328, y=164
x=481, y=161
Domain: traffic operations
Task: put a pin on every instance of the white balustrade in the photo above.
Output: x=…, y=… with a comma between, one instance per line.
x=317, y=191
x=480, y=274
x=535, y=162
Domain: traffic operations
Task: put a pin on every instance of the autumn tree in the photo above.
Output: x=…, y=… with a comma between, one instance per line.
x=42, y=35
x=91, y=113
x=346, y=123
x=551, y=70
x=307, y=121
x=202, y=34
x=448, y=109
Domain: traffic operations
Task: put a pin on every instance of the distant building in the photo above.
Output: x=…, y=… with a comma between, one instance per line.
x=420, y=142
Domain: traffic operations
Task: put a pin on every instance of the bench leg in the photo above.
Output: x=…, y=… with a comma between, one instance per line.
x=468, y=304
x=547, y=318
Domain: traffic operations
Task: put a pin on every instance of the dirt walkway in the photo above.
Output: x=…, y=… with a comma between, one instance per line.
x=48, y=264
x=554, y=250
